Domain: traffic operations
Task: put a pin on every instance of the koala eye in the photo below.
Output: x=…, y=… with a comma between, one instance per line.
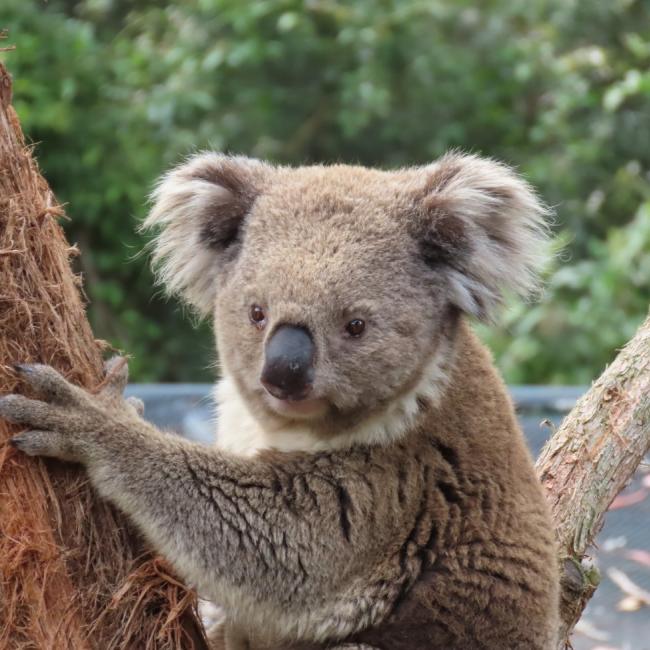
x=355, y=327
x=257, y=316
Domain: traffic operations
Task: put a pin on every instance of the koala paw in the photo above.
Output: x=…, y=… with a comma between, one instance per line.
x=66, y=420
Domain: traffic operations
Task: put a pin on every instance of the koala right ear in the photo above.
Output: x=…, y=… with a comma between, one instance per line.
x=198, y=210
x=483, y=226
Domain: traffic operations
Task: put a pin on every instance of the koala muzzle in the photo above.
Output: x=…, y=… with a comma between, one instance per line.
x=289, y=365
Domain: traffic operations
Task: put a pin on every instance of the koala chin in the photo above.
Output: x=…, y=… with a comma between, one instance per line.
x=370, y=487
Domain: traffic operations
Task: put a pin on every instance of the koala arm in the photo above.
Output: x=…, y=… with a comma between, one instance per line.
x=246, y=532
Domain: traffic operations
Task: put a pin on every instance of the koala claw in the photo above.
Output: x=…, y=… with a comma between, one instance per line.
x=48, y=383
x=66, y=421
x=116, y=371
x=21, y=410
x=42, y=443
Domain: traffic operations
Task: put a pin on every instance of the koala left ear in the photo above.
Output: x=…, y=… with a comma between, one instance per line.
x=484, y=225
x=198, y=211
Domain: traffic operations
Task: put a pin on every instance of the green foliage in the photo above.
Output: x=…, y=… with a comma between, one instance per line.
x=115, y=91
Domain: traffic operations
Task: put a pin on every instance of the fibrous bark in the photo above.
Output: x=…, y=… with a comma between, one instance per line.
x=73, y=573
x=590, y=459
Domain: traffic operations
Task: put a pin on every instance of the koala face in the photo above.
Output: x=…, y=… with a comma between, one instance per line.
x=333, y=288
x=324, y=312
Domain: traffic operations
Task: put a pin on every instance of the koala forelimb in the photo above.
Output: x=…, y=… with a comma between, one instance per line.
x=251, y=534
x=312, y=546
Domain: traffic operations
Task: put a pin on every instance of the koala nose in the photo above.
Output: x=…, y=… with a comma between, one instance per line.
x=288, y=371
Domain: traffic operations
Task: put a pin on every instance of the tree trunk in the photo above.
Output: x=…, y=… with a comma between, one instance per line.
x=590, y=459
x=73, y=574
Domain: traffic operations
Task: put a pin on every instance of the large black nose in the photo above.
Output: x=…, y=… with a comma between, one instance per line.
x=289, y=365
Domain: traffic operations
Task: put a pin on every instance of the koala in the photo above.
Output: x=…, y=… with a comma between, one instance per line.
x=370, y=488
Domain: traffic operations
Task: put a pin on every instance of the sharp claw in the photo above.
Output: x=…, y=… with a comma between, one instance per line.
x=116, y=375
x=18, y=441
x=42, y=443
x=6, y=411
x=47, y=382
x=34, y=413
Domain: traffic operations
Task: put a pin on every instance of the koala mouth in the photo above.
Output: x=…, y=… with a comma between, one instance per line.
x=305, y=408
x=285, y=395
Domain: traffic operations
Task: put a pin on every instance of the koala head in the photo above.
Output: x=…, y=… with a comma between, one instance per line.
x=334, y=288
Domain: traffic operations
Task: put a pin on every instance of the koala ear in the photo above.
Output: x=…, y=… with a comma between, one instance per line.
x=198, y=211
x=484, y=225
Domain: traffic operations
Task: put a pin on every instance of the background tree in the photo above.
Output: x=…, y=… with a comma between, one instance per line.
x=116, y=91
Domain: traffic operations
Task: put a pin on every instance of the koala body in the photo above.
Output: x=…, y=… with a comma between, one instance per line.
x=370, y=487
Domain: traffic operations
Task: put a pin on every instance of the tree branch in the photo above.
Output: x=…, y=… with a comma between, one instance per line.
x=589, y=461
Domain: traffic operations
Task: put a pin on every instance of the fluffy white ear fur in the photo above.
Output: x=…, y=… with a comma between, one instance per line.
x=486, y=225
x=197, y=211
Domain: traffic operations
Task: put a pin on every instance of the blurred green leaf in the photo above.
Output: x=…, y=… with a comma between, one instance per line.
x=115, y=91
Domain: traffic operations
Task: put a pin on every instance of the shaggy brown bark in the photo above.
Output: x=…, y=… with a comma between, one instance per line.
x=590, y=459
x=73, y=575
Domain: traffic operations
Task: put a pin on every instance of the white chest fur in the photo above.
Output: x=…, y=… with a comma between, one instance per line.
x=239, y=432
